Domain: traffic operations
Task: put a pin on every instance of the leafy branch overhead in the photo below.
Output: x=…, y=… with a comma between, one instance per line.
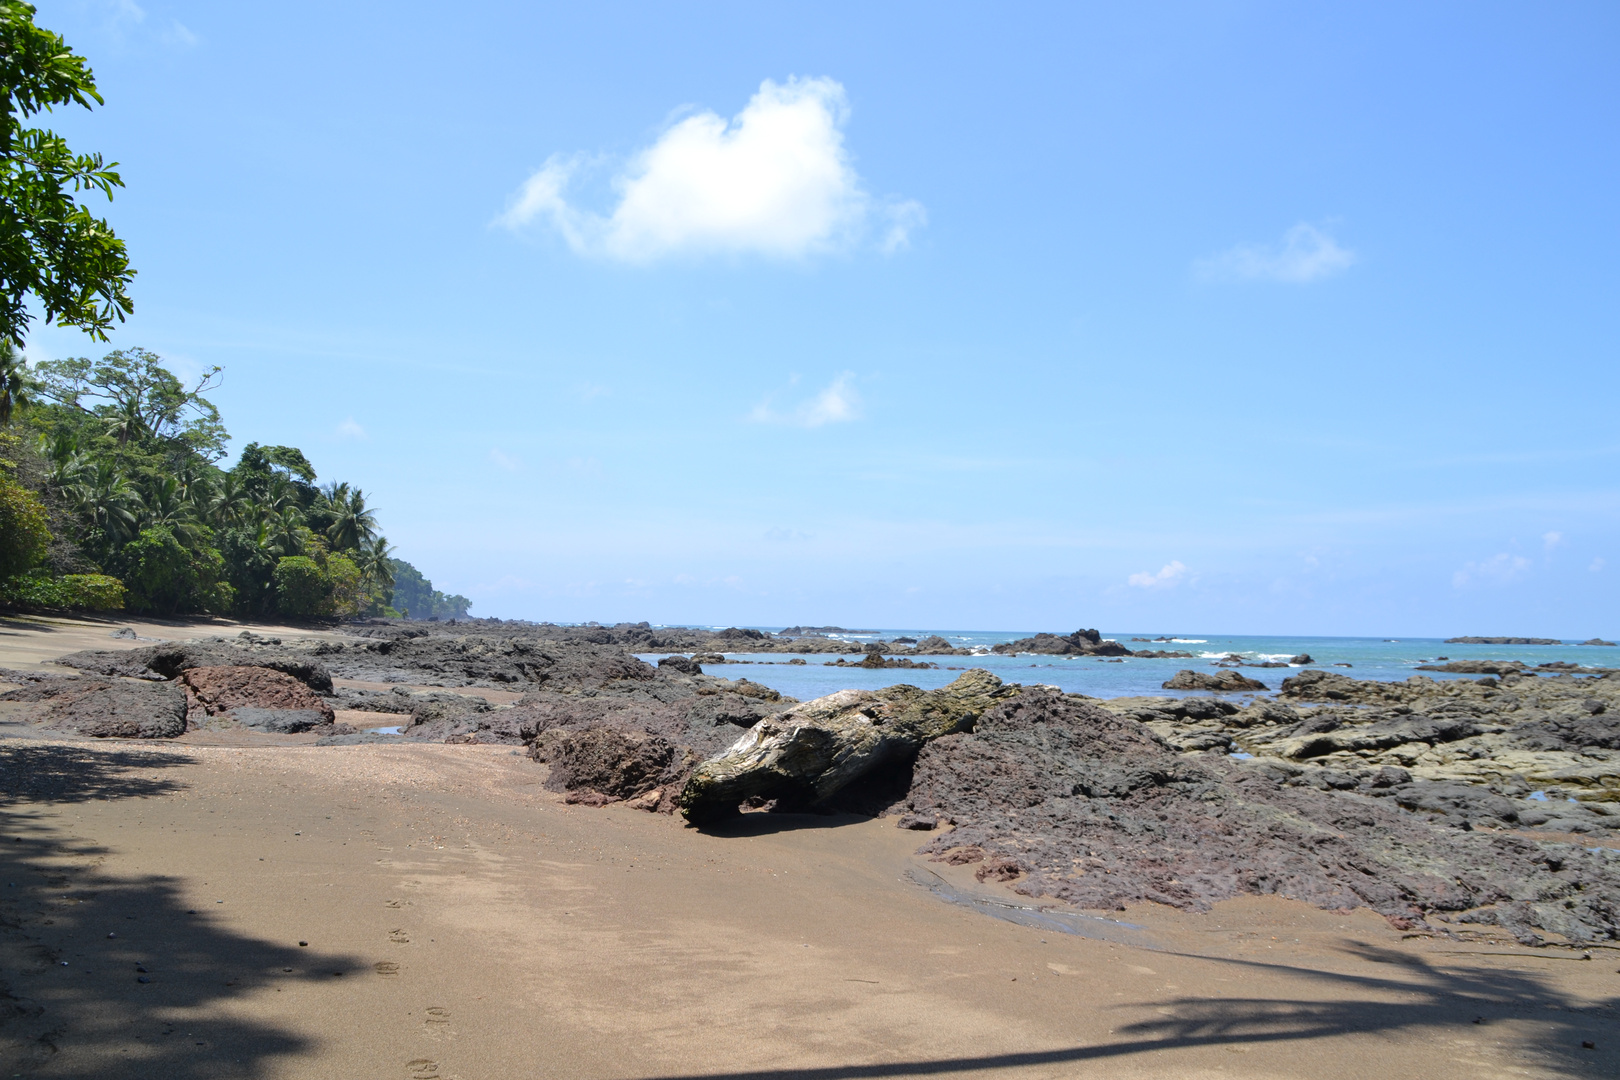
x=51, y=247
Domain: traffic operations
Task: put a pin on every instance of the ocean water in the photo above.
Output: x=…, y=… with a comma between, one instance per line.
x=1389, y=659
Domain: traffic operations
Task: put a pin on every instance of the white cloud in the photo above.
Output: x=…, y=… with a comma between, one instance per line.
x=780, y=535
x=350, y=430
x=1168, y=577
x=504, y=460
x=776, y=181
x=837, y=404
x=1305, y=254
x=1552, y=539
x=1597, y=565
x=1497, y=570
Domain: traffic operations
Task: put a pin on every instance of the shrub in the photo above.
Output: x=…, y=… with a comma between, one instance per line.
x=23, y=530
x=346, y=590
x=163, y=577
x=70, y=592
x=301, y=588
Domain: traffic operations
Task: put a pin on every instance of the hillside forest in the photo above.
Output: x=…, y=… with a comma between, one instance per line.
x=113, y=495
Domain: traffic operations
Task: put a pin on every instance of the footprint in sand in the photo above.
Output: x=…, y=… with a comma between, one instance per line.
x=386, y=967
x=437, y=1024
x=398, y=937
x=391, y=903
x=422, y=1069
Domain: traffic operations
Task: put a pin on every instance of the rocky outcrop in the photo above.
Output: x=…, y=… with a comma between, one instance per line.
x=1503, y=641
x=169, y=660
x=1225, y=682
x=1596, y=641
x=876, y=661
x=1074, y=802
x=217, y=691
x=804, y=756
x=1079, y=643
x=1476, y=667
x=119, y=709
x=685, y=665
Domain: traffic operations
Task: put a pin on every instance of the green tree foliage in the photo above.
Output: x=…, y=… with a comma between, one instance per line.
x=51, y=247
x=301, y=587
x=125, y=458
x=24, y=532
x=70, y=592
x=414, y=595
x=165, y=577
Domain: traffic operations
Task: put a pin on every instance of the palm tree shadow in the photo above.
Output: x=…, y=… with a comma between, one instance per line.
x=94, y=969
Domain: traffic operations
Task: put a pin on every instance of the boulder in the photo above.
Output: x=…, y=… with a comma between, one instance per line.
x=281, y=721
x=124, y=710
x=221, y=690
x=933, y=643
x=1079, y=643
x=684, y=665
x=1476, y=667
x=167, y=661
x=1222, y=682
x=618, y=764
x=1301, y=660
x=802, y=757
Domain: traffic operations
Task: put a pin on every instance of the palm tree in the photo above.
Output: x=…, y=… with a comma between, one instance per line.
x=230, y=502
x=106, y=499
x=16, y=385
x=375, y=560
x=167, y=507
x=352, y=524
x=283, y=531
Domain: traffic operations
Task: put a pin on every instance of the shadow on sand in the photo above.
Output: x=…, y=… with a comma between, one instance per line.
x=1445, y=1003
x=115, y=977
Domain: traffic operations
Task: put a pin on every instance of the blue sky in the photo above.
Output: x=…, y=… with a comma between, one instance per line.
x=1221, y=317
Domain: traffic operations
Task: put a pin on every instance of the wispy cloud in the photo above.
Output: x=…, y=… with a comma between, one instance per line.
x=1597, y=565
x=1552, y=539
x=1169, y=576
x=775, y=181
x=837, y=404
x=1305, y=254
x=349, y=429
x=1497, y=570
x=504, y=460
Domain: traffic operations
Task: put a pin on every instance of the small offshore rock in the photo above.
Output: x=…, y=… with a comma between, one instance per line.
x=1224, y=682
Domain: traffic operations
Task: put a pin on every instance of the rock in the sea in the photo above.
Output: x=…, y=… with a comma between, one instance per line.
x=1597, y=641
x=226, y=689
x=683, y=664
x=1222, y=682
x=1503, y=641
x=125, y=710
x=1301, y=660
x=1079, y=643
x=804, y=756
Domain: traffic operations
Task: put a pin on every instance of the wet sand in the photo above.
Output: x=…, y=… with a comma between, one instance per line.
x=461, y=921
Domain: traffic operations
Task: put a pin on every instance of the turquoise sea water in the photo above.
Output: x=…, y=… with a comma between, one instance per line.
x=1369, y=658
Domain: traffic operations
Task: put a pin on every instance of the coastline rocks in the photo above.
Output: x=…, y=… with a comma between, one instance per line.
x=1161, y=654
x=802, y=757
x=683, y=664
x=283, y=721
x=1502, y=641
x=614, y=764
x=122, y=709
x=168, y=661
x=875, y=660
x=1091, y=808
x=1301, y=660
x=1597, y=641
x=1079, y=643
x=217, y=690
x=1225, y=682
x=1476, y=667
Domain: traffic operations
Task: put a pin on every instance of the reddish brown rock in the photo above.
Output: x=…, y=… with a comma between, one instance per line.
x=220, y=689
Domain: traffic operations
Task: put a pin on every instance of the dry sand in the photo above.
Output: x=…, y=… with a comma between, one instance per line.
x=463, y=922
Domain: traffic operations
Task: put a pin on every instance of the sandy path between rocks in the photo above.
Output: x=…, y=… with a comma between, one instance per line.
x=461, y=921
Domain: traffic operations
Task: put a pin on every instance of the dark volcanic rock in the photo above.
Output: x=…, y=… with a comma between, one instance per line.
x=1091, y=808
x=167, y=661
x=683, y=664
x=1079, y=643
x=1596, y=641
x=1222, y=682
x=120, y=709
x=281, y=721
x=618, y=764
x=1476, y=667
x=1502, y=641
